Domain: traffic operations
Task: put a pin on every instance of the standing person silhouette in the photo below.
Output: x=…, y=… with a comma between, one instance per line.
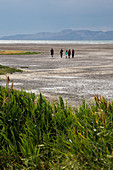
x=73, y=52
x=69, y=53
x=52, y=52
x=61, y=53
x=66, y=53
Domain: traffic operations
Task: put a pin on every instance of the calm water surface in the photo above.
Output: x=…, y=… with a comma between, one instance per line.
x=54, y=42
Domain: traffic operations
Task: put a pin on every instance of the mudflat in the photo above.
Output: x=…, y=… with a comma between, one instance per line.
x=89, y=73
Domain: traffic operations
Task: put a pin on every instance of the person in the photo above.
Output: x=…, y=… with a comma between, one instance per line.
x=61, y=53
x=66, y=53
x=52, y=52
x=69, y=53
x=73, y=52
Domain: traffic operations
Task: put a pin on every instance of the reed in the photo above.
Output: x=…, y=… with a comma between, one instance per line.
x=38, y=134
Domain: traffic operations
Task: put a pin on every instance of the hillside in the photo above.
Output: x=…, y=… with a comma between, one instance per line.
x=67, y=34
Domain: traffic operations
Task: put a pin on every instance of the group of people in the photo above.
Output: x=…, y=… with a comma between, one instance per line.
x=67, y=53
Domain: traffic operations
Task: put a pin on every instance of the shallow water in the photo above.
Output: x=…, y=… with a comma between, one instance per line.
x=55, y=42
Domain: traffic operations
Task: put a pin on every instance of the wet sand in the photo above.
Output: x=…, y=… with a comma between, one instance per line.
x=89, y=73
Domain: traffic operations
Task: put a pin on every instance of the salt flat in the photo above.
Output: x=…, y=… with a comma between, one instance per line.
x=89, y=73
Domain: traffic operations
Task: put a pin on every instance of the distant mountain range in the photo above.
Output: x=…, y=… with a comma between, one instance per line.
x=66, y=34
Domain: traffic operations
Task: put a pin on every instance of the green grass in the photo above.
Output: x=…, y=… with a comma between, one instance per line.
x=15, y=52
x=24, y=67
x=5, y=69
x=37, y=134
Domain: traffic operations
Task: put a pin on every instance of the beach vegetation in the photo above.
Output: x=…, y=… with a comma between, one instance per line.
x=5, y=69
x=39, y=134
x=24, y=67
x=16, y=52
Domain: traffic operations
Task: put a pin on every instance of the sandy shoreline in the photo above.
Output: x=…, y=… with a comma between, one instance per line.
x=90, y=72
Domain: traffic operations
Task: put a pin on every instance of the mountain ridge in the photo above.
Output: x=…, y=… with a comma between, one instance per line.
x=66, y=34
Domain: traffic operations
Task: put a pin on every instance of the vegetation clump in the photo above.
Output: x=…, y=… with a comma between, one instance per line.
x=37, y=134
x=5, y=69
x=15, y=52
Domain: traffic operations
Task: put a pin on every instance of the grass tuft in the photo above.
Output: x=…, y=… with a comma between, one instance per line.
x=37, y=134
x=5, y=69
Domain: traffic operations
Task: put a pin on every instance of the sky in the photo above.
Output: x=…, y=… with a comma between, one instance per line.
x=33, y=16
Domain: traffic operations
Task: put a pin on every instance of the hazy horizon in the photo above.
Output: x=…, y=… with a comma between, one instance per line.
x=31, y=16
x=53, y=32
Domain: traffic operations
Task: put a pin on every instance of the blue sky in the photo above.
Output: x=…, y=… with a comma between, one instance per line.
x=32, y=16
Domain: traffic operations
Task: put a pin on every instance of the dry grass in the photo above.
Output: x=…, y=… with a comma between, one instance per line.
x=14, y=52
x=11, y=52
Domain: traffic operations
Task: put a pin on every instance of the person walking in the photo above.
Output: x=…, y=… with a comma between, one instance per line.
x=69, y=53
x=73, y=52
x=61, y=53
x=66, y=53
x=52, y=52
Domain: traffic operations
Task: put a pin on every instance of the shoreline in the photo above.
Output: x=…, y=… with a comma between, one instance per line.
x=88, y=74
x=56, y=42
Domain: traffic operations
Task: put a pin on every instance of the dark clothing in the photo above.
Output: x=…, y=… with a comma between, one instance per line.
x=52, y=52
x=61, y=53
x=69, y=53
x=73, y=52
